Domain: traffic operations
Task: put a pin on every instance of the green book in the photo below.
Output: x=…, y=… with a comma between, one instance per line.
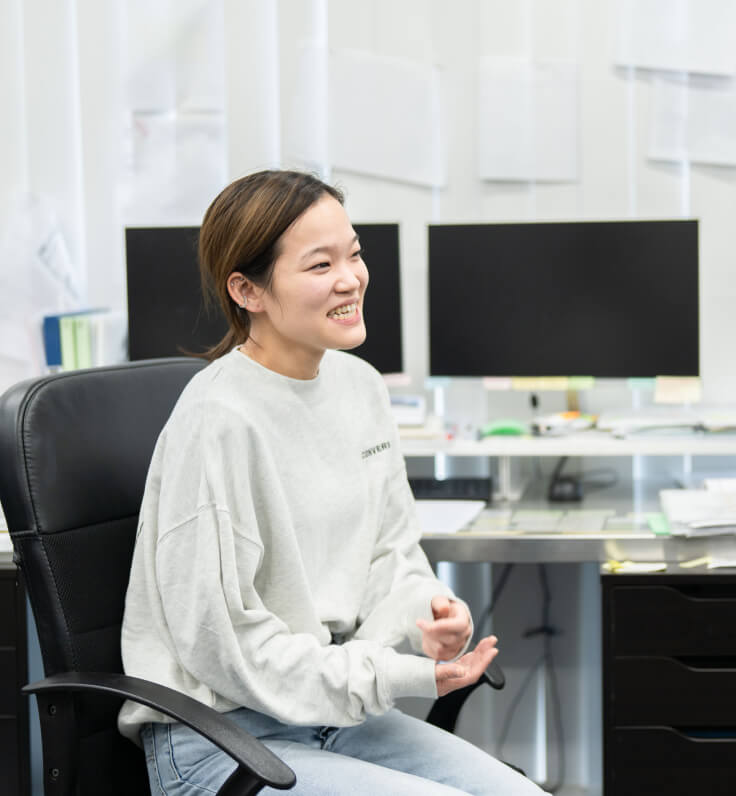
x=68, y=343
x=83, y=341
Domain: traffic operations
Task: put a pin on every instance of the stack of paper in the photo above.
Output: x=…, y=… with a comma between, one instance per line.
x=447, y=516
x=699, y=512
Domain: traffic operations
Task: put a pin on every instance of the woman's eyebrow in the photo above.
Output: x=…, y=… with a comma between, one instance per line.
x=325, y=249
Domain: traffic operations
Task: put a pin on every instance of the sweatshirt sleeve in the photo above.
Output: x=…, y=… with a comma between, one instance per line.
x=225, y=638
x=401, y=583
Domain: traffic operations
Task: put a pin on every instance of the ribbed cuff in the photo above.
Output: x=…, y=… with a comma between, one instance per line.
x=472, y=627
x=408, y=676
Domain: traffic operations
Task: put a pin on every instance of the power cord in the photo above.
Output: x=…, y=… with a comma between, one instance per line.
x=547, y=631
x=489, y=609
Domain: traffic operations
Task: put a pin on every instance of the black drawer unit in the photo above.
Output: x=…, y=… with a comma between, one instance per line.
x=669, y=684
x=14, y=744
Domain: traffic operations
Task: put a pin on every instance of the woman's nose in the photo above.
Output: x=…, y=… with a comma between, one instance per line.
x=349, y=279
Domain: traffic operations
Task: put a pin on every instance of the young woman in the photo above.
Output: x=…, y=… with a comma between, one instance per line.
x=277, y=574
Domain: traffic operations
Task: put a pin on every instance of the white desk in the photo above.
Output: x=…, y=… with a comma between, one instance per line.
x=588, y=443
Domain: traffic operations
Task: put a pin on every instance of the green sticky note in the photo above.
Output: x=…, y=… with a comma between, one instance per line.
x=658, y=524
x=641, y=384
x=580, y=383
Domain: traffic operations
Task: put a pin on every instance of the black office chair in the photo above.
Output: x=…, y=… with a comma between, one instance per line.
x=74, y=452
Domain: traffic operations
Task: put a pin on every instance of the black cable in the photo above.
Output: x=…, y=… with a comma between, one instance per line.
x=558, y=469
x=486, y=613
x=547, y=630
x=550, y=631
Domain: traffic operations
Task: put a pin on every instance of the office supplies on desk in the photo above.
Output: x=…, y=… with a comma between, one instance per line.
x=622, y=423
x=562, y=423
x=504, y=427
x=720, y=484
x=699, y=512
x=409, y=410
x=447, y=516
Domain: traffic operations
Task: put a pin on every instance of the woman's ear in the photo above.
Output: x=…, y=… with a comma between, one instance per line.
x=243, y=292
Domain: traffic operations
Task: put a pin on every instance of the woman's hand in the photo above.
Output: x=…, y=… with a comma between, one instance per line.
x=446, y=636
x=466, y=670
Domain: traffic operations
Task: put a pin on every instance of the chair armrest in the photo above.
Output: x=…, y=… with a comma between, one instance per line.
x=494, y=676
x=245, y=749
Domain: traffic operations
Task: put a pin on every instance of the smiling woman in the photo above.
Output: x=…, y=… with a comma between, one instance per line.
x=277, y=573
x=312, y=299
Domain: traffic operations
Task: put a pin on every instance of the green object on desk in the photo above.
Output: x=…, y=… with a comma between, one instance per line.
x=506, y=427
x=658, y=524
x=580, y=383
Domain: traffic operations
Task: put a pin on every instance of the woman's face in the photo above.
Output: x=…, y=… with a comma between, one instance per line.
x=316, y=297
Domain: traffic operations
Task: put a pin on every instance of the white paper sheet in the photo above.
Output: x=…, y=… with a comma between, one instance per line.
x=177, y=166
x=447, y=516
x=680, y=35
x=527, y=120
x=384, y=116
x=694, y=120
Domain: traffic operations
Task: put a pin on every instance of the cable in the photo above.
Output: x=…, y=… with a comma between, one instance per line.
x=547, y=631
x=495, y=595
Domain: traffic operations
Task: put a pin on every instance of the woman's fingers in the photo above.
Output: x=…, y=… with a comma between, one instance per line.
x=451, y=676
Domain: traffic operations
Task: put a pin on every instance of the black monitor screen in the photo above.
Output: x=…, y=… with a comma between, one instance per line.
x=616, y=299
x=166, y=312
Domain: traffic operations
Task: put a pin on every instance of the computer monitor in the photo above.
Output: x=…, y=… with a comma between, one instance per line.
x=610, y=299
x=166, y=312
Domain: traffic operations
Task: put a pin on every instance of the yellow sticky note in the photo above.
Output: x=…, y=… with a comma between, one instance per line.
x=677, y=390
x=580, y=383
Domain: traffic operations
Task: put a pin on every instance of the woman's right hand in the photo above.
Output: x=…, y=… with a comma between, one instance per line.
x=465, y=670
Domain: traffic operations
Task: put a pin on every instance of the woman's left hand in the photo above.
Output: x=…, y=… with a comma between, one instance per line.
x=445, y=636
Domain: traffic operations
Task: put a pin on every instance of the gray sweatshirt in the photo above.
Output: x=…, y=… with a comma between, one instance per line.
x=277, y=564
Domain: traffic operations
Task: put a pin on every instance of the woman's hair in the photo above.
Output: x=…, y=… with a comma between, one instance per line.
x=241, y=231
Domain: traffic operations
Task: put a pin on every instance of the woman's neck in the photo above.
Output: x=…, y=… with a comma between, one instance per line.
x=294, y=363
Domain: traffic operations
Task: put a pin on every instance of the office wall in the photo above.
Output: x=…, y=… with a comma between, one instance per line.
x=64, y=137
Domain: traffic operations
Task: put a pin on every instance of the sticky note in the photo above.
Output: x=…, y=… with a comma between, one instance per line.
x=538, y=384
x=580, y=383
x=640, y=384
x=677, y=390
x=497, y=383
x=658, y=524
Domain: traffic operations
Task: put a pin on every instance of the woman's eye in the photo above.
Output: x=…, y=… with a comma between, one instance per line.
x=319, y=265
x=358, y=253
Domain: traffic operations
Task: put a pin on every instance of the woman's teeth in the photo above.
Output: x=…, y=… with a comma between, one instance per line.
x=343, y=312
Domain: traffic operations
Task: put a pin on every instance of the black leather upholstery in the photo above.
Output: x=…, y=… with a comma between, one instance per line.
x=74, y=453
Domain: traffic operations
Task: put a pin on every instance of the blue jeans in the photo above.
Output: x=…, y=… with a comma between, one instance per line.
x=390, y=755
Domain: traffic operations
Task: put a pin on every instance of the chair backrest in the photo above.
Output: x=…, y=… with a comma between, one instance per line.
x=74, y=453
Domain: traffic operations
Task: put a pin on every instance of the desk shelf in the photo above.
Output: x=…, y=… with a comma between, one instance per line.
x=592, y=443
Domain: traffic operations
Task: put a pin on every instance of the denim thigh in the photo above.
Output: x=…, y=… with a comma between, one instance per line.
x=390, y=754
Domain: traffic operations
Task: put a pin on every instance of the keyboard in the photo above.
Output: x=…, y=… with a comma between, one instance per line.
x=466, y=488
